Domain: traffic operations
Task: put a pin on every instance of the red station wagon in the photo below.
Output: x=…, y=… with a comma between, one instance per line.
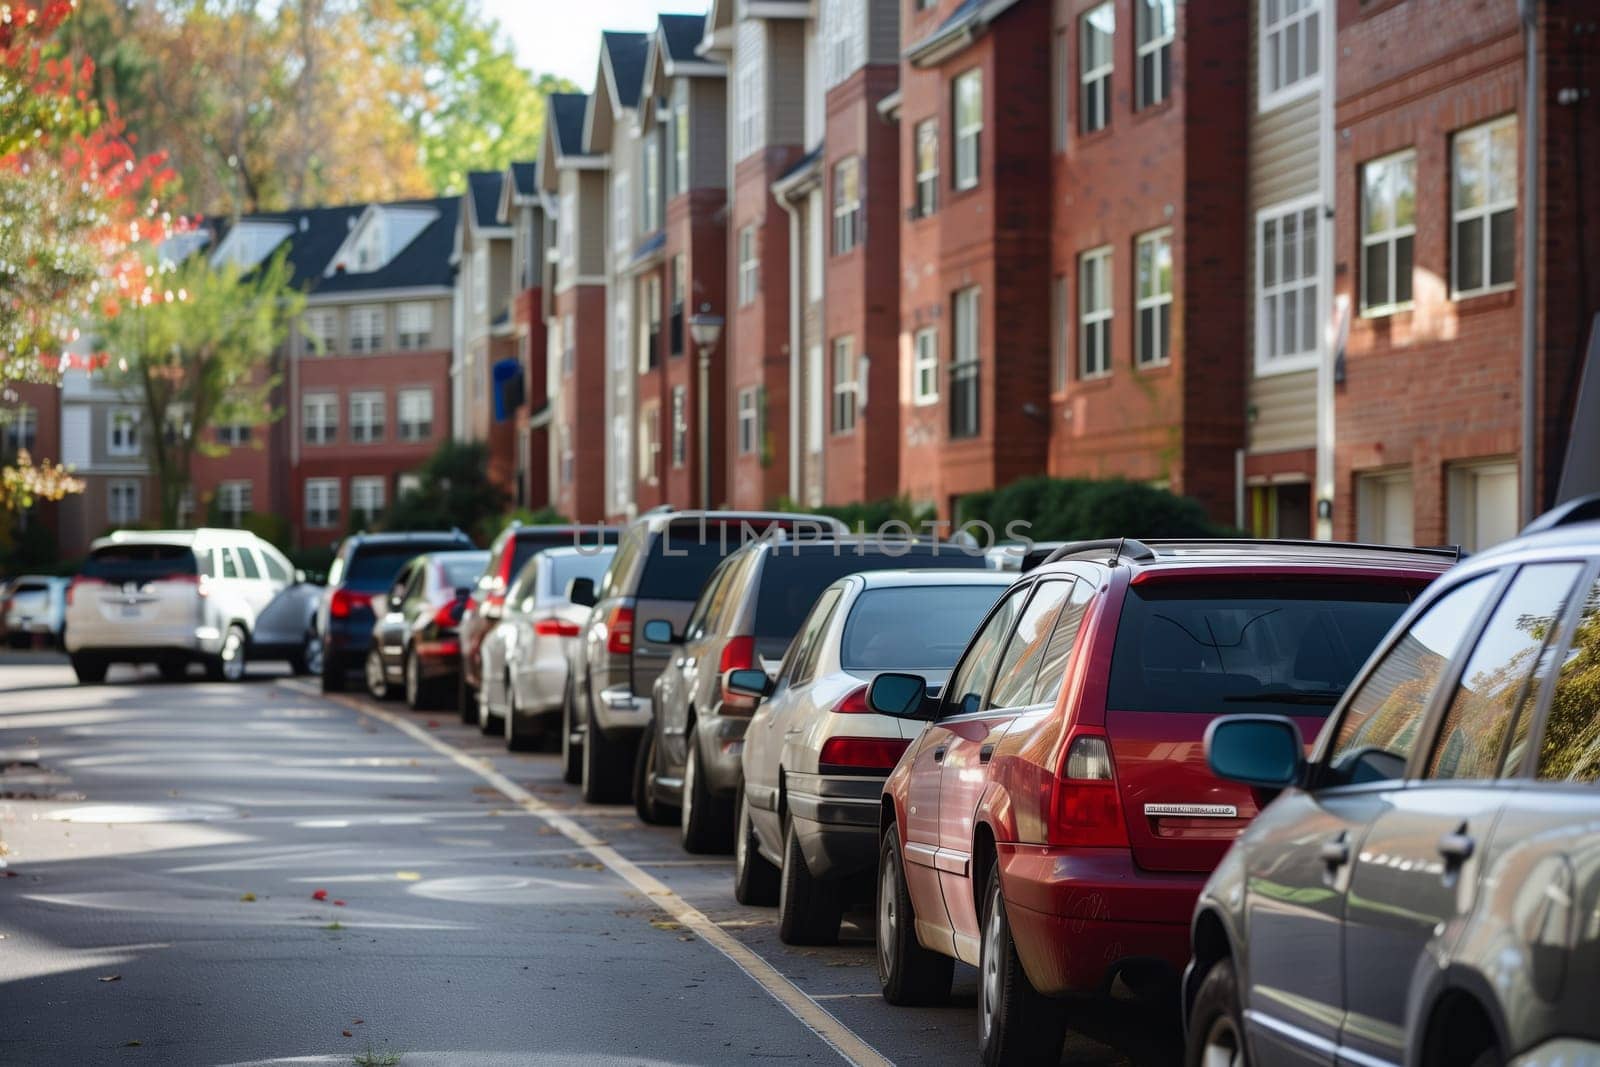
x=1056, y=819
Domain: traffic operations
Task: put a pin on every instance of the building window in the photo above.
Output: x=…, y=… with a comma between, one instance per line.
x=749, y=422
x=1059, y=331
x=1384, y=508
x=122, y=499
x=1094, y=313
x=567, y=229
x=650, y=183
x=21, y=428
x=233, y=434
x=679, y=174
x=319, y=412
x=846, y=205
x=1388, y=232
x=845, y=387
x=749, y=266
x=1483, y=503
x=925, y=366
x=649, y=443
x=680, y=287
x=414, y=409
x=1291, y=48
x=927, y=198
x=844, y=35
x=415, y=326
x=569, y=344
x=968, y=111
x=680, y=426
x=366, y=500
x=621, y=211
x=1153, y=27
x=366, y=329
x=1095, y=31
x=1483, y=179
x=321, y=329
x=122, y=437
x=366, y=417
x=1153, y=298
x=964, y=365
x=322, y=502
x=1287, y=266
x=235, y=501
x=650, y=334
x=749, y=64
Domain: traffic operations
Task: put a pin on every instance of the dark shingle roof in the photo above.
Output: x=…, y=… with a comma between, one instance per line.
x=627, y=52
x=969, y=14
x=567, y=109
x=805, y=162
x=423, y=262
x=682, y=33
x=484, y=186
x=525, y=178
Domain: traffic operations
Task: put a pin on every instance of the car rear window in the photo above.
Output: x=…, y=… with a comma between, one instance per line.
x=683, y=557
x=460, y=571
x=374, y=566
x=1268, y=646
x=568, y=566
x=791, y=583
x=22, y=588
x=914, y=627
x=140, y=562
x=524, y=546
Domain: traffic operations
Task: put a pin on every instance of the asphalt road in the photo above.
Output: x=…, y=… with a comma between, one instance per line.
x=204, y=873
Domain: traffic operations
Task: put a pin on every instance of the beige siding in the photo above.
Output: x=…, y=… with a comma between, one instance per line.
x=786, y=66
x=708, y=133
x=592, y=220
x=883, y=31
x=1286, y=411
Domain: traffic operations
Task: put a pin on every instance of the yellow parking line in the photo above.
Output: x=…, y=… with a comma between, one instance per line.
x=812, y=1015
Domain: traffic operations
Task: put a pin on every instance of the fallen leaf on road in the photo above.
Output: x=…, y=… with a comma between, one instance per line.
x=347, y=1033
x=132, y=1044
x=666, y=924
x=111, y=978
x=338, y=903
x=408, y=876
x=358, y=1022
x=321, y=894
x=433, y=724
x=248, y=898
x=685, y=937
x=589, y=866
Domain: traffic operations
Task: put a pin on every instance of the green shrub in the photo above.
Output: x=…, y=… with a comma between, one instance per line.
x=1072, y=509
x=455, y=493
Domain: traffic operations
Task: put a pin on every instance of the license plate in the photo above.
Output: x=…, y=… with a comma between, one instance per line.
x=130, y=611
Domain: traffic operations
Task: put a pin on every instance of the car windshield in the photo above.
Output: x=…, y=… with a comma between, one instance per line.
x=568, y=566
x=1260, y=646
x=791, y=582
x=374, y=566
x=915, y=627
x=139, y=562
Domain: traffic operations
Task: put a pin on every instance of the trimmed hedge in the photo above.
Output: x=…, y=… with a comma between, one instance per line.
x=1072, y=509
x=870, y=515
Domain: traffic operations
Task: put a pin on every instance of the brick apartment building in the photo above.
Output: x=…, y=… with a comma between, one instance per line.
x=485, y=336
x=522, y=210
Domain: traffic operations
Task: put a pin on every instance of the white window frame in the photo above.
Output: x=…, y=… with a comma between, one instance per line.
x=846, y=207
x=1099, y=73
x=749, y=422
x=1060, y=332
x=327, y=428
x=749, y=266
x=1484, y=212
x=124, y=501
x=1273, y=295
x=362, y=319
x=621, y=211
x=21, y=430
x=234, y=434
x=966, y=353
x=566, y=230
x=1277, y=26
x=749, y=97
x=1155, y=45
x=1392, y=236
x=650, y=324
x=968, y=141
x=322, y=503
x=1154, y=300
x=413, y=325
x=320, y=327
x=414, y=424
x=679, y=122
x=569, y=343
x=374, y=489
x=650, y=182
x=925, y=366
x=369, y=416
x=120, y=441
x=1097, y=315
x=235, y=500
x=650, y=444
x=680, y=426
x=925, y=189
x=846, y=387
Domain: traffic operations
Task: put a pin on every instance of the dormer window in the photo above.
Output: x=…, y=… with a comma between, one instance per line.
x=380, y=234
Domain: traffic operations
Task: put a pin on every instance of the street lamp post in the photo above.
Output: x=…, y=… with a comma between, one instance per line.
x=706, y=329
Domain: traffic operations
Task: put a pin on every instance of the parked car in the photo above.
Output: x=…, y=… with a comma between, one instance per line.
x=508, y=554
x=31, y=607
x=175, y=597
x=1425, y=889
x=662, y=561
x=745, y=617
x=815, y=757
x=525, y=657
x=364, y=568
x=415, y=647
x=1021, y=556
x=1054, y=821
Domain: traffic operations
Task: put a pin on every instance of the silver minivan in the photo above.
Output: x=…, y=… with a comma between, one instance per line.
x=172, y=598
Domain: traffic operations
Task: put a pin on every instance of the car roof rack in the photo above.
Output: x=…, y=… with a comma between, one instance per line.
x=1145, y=551
x=1119, y=546
x=1581, y=509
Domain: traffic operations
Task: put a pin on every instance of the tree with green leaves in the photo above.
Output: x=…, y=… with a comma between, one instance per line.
x=455, y=492
x=200, y=354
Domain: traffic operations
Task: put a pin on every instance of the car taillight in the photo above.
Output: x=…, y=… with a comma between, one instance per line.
x=344, y=603
x=1085, y=809
x=449, y=616
x=739, y=654
x=494, y=606
x=861, y=753
x=554, y=627
x=619, y=632
x=853, y=703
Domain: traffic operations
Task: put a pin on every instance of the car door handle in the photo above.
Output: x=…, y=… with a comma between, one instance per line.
x=1335, y=851
x=1457, y=848
x=938, y=753
x=985, y=753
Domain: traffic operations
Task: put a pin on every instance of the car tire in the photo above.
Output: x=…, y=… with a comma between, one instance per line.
x=489, y=724
x=91, y=670
x=650, y=811
x=705, y=821
x=229, y=664
x=519, y=738
x=173, y=670
x=1016, y=1024
x=334, y=679
x=1216, y=1022
x=375, y=677
x=809, y=908
x=421, y=693
x=466, y=699
x=571, y=751
x=908, y=974
x=308, y=660
x=755, y=879
x=607, y=772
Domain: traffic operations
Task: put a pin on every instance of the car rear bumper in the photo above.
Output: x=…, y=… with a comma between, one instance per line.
x=836, y=819
x=721, y=740
x=1561, y=1052
x=621, y=713
x=1079, y=915
x=147, y=642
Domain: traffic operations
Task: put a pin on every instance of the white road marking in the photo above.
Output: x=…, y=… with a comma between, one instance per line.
x=800, y=1004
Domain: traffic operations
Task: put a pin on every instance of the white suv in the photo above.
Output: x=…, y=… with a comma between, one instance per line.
x=172, y=598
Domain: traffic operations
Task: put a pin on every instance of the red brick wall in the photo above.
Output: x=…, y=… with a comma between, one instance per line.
x=502, y=439
x=526, y=315
x=696, y=229
x=582, y=398
x=46, y=402
x=651, y=388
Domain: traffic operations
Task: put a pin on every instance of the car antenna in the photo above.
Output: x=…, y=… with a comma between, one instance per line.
x=1117, y=553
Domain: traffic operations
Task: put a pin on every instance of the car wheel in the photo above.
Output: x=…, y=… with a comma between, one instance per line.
x=755, y=879
x=1015, y=1023
x=705, y=821
x=488, y=721
x=332, y=670
x=571, y=750
x=908, y=974
x=419, y=691
x=809, y=908
x=309, y=659
x=606, y=767
x=376, y=678
x=91, y=670
x=466, y=699
x=519, y=737
x=173, y=670
x=645, y=805
x=228, y=664
x=1216, y=1024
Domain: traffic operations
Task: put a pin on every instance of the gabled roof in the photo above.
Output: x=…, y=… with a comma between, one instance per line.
x=622, y=54
x=672, y=54
x=424, y=262
x=483, y=187
x=566, y=116
x=959, y=29
x=679, y=34
x=525, y=178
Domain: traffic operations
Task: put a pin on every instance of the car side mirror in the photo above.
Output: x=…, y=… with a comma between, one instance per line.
x=1264, y=751
x=581, y=592
x=900, y=695
x=300, y=577
x=659, y=632
x=751, y=682
x=395, y=600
